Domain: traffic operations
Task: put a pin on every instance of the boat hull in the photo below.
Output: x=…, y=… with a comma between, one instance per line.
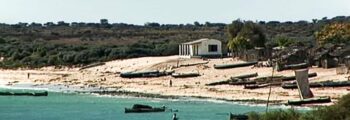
x=144, y=110
x=310, y=101
x=24, y=94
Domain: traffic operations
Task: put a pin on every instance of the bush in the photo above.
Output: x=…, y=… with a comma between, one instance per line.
x=338, y=111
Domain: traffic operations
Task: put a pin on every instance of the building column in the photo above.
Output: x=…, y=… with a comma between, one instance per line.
x=180, y=49
x=185, y=51
x=188, y=49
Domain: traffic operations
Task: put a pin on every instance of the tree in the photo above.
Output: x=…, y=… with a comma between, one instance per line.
x=245, y=35
x=238, y=43
x=254, y=34
x=334, y=33
x=234, y=28
x=283, y=41
x=196, y=23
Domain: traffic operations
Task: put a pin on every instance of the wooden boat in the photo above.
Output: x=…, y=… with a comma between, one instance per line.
x=138, y=108
x=294, y=85
x=318, y=84
x=234, y=79
x=289, y=78
x=335, y=84
x=241, y=82
x=296, y=66
x=225, y=66
x=238, y=117
x=152, y=73
x=255, y=86
x=326, y=99
x=45, y=93
x=183, y=75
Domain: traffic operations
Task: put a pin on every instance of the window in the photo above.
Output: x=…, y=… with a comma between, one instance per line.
x=212, y=48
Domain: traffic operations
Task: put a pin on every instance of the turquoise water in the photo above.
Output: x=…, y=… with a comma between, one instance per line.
x=63, y=106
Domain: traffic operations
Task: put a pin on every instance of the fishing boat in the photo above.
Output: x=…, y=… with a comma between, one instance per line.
x=225, y=66
x=325, y=99
x=242, y=82
x=289, y=78
x=152, y=73
x=45, y=93
x=139, y=108
x=255, y=86
x=305, y=93
x=236, y=80
x=318, y=84
x=183, y=75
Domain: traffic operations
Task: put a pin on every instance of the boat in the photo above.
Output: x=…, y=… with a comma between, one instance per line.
x=242, y=82
x=235, y=80
x=255, y=86
x=305, y=93
x=325, y=99
x=289, y=78
x=183, y=75
x=318, y=84
x=295, y=66
x=45, y=93
x=152, y=73
x=226, y=66
x=295, y=86
x=139, y=108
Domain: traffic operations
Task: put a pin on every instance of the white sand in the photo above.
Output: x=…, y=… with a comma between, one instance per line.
x=94, y=77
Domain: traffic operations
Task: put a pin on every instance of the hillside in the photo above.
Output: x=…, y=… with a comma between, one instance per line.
x=37, y=45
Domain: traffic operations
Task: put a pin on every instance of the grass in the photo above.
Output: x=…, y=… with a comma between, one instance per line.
x=338, y=111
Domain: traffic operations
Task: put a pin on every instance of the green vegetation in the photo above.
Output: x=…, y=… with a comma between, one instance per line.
x=245, y=35
x=70, y=44
x=338, y=111
x=38, y=53
x=283, y=41
x=334, y=33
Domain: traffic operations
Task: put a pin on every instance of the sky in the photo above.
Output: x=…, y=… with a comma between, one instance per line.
x=169, y=11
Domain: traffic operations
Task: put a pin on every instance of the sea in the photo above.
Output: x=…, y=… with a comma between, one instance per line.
x=74, y=106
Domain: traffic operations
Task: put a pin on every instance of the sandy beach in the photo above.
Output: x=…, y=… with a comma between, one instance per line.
x=107, y=77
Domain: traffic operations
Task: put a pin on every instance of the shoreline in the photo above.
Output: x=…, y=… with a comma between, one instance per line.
x=107, y=77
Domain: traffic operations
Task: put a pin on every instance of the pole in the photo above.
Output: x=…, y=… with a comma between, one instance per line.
x=268, y=99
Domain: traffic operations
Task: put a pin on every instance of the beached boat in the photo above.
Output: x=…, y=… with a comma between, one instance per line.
x=183, y=75
x=235, y=80
x=152, y=73
x=138, y=108
x=318, y=84
x=296, y=66
x=313, y=100
x=45, y=93
x=241, y=82
x=225, y=66
x=255, y=86
x=289, y=78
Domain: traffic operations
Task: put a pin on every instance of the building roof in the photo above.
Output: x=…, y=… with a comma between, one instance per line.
x=199, y=41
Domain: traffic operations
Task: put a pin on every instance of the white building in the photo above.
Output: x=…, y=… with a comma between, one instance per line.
x=201, y=48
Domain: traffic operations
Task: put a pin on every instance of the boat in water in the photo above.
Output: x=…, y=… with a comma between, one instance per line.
x=139, y=108
x=45, y=93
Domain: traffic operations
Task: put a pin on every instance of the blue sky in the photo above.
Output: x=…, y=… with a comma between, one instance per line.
x=169, y=11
